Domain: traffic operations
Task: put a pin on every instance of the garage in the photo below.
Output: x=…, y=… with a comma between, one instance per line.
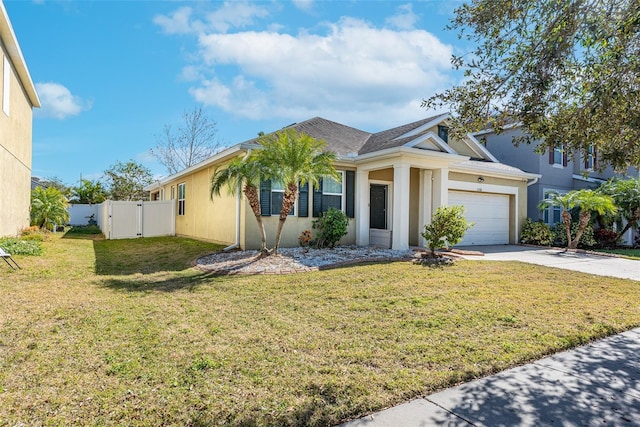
x=489, y=212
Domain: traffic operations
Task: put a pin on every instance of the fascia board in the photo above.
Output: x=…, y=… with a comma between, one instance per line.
x=493, y=172
x=425, y=126
x=15, y=54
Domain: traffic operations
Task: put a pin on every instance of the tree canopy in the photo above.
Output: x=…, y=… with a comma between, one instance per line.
x=567, y=71
x=126, y=181
x=191, y=143
x=91, y=192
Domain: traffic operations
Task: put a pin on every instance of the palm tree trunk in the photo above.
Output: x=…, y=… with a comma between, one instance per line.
x=566, y=220
x=289, y=199
x=632, y=223
x=585, y=216
x=251, y=192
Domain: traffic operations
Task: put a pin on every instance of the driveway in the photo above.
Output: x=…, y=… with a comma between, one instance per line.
x=552, y=257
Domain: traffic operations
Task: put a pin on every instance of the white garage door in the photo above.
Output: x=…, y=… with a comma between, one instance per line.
x=489, y=212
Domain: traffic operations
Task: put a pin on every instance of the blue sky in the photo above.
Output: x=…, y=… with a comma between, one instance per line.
x=111, y=74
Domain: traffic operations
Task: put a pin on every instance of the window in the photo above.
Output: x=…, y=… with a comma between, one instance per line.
x=552, y=214
x=6, y=80
x=332, y=192
x=558, y=157
x=443, y=133
x=173, y=192
x=277, y=195
x=181, y=197
x=590, y=159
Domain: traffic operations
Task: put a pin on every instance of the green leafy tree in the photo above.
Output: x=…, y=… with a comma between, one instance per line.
x=243, y=173
x=126, y=181
x=89, y=192
x=626, y=196
x=191, y=143
x=447, y=227
x=294, y=159
x=567, y=71
x=48, y=207
x=586, y=201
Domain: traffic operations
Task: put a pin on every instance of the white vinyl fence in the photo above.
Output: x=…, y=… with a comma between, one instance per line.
x=126, y=220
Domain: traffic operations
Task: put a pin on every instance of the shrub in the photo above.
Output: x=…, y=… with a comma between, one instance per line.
x=605, y=238
x=536, y=233
x=84, y=229
x=21, y=247
x=447, y=226
x=560, y=235
x=304, y=239
x=331, y=226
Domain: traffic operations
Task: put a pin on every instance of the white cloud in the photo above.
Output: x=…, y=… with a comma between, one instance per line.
x=405, y=19
x=305, y=5
x=230, y=15
x=351, y=72
x=58, y=102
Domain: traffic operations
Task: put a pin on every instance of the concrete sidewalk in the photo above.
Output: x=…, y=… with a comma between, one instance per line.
x=597, y=384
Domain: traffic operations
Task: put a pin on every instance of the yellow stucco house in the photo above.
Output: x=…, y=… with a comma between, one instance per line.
x=18, y=97
x=391, y=182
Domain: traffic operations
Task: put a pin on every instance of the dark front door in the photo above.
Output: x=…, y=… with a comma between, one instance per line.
x=378, y=206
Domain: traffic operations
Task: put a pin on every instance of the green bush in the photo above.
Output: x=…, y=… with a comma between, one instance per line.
x=84, y=229
x=536, y=233
x=560, y=235
x=21, y=247
x=331, y=226
x=447, y=227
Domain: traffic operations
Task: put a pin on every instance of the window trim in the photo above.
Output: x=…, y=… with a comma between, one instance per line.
x=294, y=209
x=182, y=201
x=590, y=158
x=547, y=213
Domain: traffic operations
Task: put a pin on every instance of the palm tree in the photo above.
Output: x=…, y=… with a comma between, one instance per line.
x=294, y=159
x=587, y=201
x=246, y=173
x=626, y=195
x=48, y=207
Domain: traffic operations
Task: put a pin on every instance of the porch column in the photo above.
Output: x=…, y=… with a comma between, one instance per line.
x=440, y=188
x=401, y=185
x=425, y=208
x=362, y=208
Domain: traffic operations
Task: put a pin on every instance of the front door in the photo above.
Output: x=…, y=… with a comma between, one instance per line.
x=378, y=206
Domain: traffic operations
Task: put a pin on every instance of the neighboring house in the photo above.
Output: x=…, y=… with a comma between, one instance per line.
x=390, y=184
x=18, y=97
x=559, y=170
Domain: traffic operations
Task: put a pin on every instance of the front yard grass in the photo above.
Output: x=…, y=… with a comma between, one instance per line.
x=627, y=253
x=99, y=332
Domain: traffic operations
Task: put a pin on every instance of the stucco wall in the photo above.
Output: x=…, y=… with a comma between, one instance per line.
x=15, y=156
x=204, y=219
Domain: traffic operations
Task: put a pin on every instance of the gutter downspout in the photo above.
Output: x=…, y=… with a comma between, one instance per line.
x=236, y=244
x=529, y=184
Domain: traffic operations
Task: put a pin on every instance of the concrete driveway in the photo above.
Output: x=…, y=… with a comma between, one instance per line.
x=560, y=258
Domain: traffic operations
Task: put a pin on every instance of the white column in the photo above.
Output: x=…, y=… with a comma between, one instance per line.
x=424, y=214
x=401, y=186
x=440, y=188
x=362, y=208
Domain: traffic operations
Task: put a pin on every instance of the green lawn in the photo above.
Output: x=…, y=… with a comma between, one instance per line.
x=98, y=332
x=627, y=253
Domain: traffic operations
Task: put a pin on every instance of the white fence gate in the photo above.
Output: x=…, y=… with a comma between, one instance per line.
x=126, y=220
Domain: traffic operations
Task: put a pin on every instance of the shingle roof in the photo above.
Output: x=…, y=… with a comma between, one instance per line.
x=341, y=139
x=387, y=138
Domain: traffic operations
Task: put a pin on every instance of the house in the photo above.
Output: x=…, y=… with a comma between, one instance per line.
x=18, y=98
x=559, y=170
x=390, y=184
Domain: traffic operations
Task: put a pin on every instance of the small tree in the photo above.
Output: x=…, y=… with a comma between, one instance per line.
x=48, y=207
x=626, y=195
x=89, y=192
x=126, y=181
x=189, y=144
x=242, y=173
x=447, y=227
x=587, y=201
x=294, y=159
